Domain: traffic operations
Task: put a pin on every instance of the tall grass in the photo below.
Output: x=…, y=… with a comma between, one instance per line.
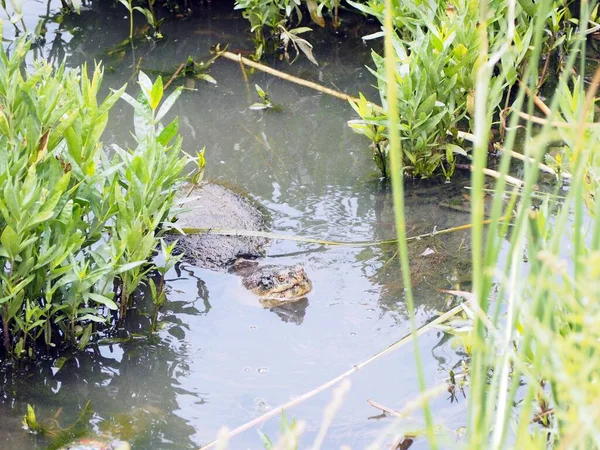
x=534, y=373
x=534, y=368
x=396, y=166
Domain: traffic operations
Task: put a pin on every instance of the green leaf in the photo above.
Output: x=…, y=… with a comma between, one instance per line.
x=168, y=104
x=14, y=306
x=74, y=145
x=147, y=13
x=169, y=132
x=146, y=84
x=129, y=266
x=265, y=440
x=127, y=4
x=76, y=6
x=39, y=218
x=103, y=301
x=57, y=134
x=60, y=362
x=260, y=106
x=457, y=150
x=92, y=317
x=4, y=128
x=85, y=337
x=206, y=77
x=10, y=241
x=156, y=94
x=259, y=91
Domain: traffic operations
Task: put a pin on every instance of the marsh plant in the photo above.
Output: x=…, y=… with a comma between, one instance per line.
x=78, y=224
x=148, y=13
x=534, y=302
x=275, y=23
x=530, y=373
x=436, y=51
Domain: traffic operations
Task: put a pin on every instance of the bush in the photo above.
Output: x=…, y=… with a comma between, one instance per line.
x=437, y=47
x=78, y=224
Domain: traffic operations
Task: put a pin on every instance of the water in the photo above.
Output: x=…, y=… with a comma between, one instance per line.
x=220, y=359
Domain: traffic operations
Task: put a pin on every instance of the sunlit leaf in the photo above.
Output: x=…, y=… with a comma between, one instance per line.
x=103, y=300
x=10, y=241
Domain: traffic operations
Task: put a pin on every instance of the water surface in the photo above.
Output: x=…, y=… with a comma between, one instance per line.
x=220, y=358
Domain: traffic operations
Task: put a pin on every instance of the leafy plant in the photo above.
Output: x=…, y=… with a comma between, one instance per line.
x=532, y=372
x=271, y=23
x=265, y=100
x=435, y=50
x=129, y=5
x=300, y=45
x=371, y=126
x=71, y=219
x=159, y=295
x=289, y=435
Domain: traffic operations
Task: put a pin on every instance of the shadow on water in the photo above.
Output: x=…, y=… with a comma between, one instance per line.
x=220, y=358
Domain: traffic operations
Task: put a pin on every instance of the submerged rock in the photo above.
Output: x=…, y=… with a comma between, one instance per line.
x=214, y=206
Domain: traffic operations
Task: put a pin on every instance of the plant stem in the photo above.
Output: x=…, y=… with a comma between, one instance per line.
x=397, y=173
x=131, y=22
x=5, y=329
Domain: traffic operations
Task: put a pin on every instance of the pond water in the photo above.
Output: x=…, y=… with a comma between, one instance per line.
x=220, y=358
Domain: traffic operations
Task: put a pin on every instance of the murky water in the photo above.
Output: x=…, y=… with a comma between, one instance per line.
x=220, y=358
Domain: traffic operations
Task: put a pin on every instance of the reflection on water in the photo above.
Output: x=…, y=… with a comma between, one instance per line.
x=220, y=358
x=293, y=312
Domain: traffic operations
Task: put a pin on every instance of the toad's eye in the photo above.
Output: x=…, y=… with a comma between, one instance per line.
x=281, y=278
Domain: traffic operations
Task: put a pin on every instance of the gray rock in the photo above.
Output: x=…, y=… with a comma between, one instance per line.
x=215, y=206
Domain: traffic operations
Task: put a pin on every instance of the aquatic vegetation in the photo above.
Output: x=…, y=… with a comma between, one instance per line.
x=271, y=23
x=289, y=435
x=436, y=53
x=532, y=372
x=265, y=100
x=78, y=225
x=50, y=427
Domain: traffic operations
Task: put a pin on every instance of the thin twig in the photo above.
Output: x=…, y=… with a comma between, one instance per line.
x=243, y=69
x=470, y=137
x=385, y=409
x=136, y=69
x=286, y=237
x=494, y=174
x=277, y=410
x=179, y=69
x=538, y=101
x=546, y=64
x=543, y=167
x=555, y=123
x=537, y=417
x=317, y=87
x=403, y=413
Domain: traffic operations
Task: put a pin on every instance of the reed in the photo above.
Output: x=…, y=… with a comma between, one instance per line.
x=533, y=369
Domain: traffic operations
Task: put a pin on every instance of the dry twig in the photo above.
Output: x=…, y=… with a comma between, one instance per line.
x=277, y=410
x=179, y=69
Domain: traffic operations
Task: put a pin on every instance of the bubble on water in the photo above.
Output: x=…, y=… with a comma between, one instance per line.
x=352, y=334
x=252, y=327
x=262, y=370
x=247, y=369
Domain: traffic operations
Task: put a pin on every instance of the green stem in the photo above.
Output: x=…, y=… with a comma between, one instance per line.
x=6, y=334
x=397, y=174
x=131, y=23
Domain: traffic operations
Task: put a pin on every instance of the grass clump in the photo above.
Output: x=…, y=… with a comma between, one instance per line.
x=78, y=224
